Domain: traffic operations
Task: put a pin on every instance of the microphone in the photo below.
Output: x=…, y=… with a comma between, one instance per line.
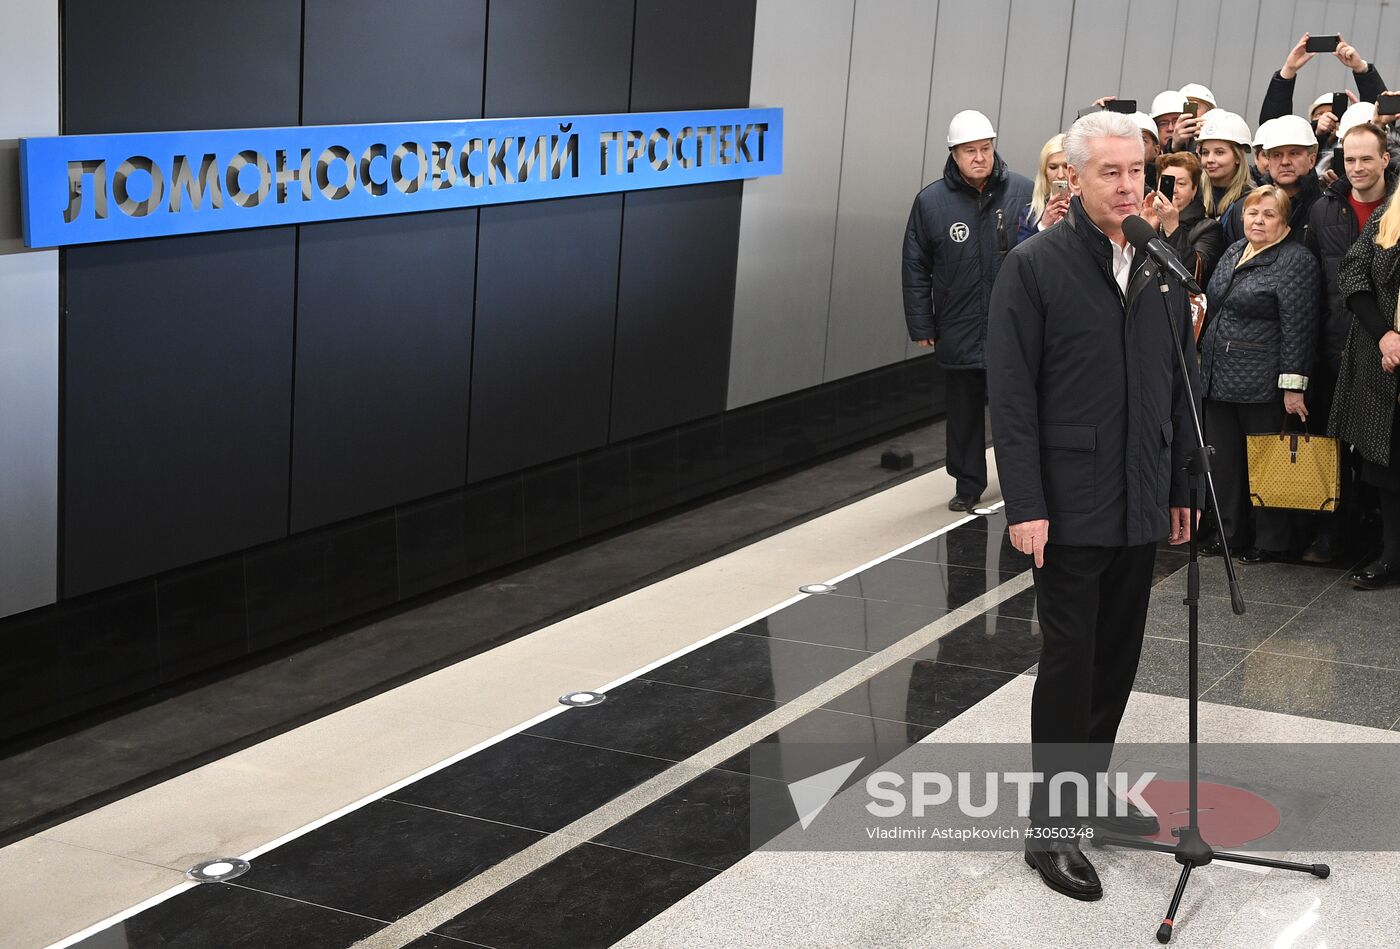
x=1143, y=236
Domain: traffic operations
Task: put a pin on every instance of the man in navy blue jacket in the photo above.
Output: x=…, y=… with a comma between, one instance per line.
x=959, y=230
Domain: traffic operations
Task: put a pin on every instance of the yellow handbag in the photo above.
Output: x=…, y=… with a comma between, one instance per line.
x=1294, y=470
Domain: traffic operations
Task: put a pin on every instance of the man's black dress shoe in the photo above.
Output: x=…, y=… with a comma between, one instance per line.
x=962, y=502
x=1064, y=868
x=1210, y=548
x=1256, y=555
x=1375, y=575
x=1133, y=822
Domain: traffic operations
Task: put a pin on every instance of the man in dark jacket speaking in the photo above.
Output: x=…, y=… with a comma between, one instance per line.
x=1093, y=427
x=959, y=230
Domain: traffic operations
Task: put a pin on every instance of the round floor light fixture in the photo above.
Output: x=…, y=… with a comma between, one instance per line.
x=581, y=699
x=818, y=588
x=217, y=870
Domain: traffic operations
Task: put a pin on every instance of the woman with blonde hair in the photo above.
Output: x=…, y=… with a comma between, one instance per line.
x=1364, y=412
x=1224, y=149
x=1049, y=200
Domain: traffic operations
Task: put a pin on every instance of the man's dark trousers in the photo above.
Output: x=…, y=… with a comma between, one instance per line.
x=966, y=405
x=1092, y=607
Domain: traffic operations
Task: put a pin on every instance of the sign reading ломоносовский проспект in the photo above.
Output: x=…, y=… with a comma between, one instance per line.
x=80, y=189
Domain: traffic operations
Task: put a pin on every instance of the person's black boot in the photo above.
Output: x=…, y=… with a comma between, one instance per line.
x=1064, y=868
x=1375, y=575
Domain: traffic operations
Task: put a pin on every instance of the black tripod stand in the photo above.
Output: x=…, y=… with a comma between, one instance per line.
x=1191, y=850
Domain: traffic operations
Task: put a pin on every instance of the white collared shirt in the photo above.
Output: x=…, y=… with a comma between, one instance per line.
x=1122, y=264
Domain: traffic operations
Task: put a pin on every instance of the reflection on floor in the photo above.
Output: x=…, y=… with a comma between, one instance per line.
x=679, y=871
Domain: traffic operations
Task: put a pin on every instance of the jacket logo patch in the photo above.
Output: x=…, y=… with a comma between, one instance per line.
x=959, y=232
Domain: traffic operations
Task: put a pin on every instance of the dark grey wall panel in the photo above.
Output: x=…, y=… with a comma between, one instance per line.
x=383, y=353
x=680, y=246
x=546, y=301
x=692, y=55
x=675, y=310
x=556, y=57
x=177, y=389
x=411, y=60
x=383, y=356
x=546, y=298
x=180, y=64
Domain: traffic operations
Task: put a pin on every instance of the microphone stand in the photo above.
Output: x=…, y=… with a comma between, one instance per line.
x=1191, y=850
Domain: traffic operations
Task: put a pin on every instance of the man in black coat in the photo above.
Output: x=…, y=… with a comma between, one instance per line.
x=1291, y=147
x=1093, y=427
x=1334, y=223
x=959, y=230
x=1278, y=99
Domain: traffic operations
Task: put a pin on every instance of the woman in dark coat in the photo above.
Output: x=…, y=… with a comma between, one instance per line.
x=1364, y=410
x=1256, y=352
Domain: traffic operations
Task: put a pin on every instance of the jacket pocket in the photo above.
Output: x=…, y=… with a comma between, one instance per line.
x=1067, y=466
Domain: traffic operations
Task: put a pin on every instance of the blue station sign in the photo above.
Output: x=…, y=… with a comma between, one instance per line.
x=81, y=189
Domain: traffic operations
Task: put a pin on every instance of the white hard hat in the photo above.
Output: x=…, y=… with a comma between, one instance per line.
x=1167, y=103
x=1224, y=126
x=1145, y=123
x=969, y=126
x=1324, y=99
x=1286, y=130
x=1194, y=90
x=1358, y=113
x=1259, y=134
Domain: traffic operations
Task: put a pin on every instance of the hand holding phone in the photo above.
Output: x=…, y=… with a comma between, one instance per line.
x=1388, y=105
x=1322, y=43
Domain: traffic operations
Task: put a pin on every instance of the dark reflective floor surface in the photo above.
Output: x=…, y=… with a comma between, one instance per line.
x=1291, y=653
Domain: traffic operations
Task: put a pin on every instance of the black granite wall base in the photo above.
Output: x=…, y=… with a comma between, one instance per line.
x=120, y=642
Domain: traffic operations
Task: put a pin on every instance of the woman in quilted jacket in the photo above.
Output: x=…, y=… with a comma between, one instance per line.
x=1256, y=352
x=1364, y=411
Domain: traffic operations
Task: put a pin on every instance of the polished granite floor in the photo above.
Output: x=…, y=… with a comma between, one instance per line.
x=1309, y=645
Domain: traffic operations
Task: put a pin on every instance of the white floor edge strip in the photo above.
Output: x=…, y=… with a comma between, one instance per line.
x=508, y=733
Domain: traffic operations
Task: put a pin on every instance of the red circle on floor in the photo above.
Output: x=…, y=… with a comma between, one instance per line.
x=1228, y=816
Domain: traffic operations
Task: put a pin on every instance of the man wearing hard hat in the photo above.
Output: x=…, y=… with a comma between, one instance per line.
x=1166, y=109
x=959, y=230
x=1291, y=147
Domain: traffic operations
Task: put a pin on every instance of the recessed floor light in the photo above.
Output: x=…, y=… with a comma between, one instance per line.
x=818, y=588
x=580, y=699
x=217, y=870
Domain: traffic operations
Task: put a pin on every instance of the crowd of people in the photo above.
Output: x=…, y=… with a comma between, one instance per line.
x=1289, y=229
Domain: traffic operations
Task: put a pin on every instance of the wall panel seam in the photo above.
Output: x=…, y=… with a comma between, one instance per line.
x=928, y=100
x=296, y=299
x=1069, y=54
x=1005, y=51
x=1171, y=51
x=1253, y=47
x=836, y=214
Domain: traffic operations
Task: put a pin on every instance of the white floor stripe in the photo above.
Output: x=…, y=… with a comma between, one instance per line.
x=514, y=730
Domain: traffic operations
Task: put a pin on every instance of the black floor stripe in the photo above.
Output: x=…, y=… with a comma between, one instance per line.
x=545, y=777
